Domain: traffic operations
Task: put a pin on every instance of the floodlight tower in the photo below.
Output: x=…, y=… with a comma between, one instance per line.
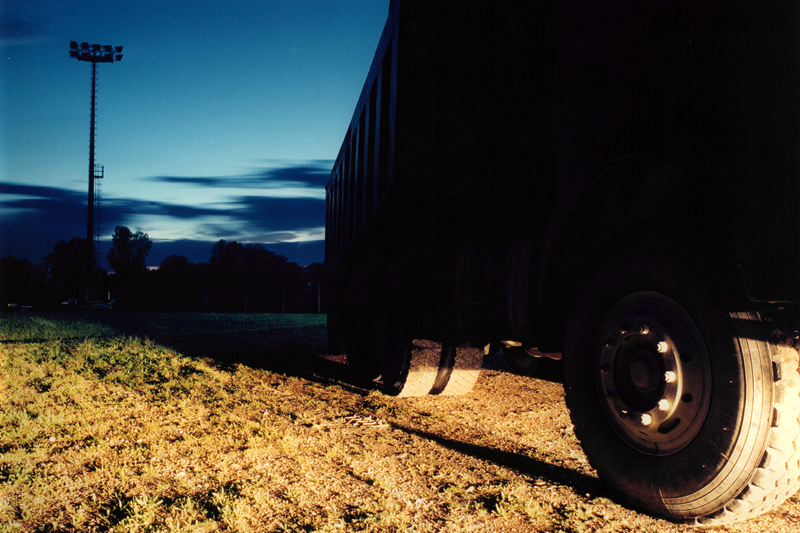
x=94, y=54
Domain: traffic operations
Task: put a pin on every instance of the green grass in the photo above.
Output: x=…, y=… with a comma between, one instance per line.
x=41, y=327
x=22, y=327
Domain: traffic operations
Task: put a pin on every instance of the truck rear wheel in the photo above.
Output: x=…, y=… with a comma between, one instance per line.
x=358, y=329
x=459, y=369
x=407, y=367
x=680, y=404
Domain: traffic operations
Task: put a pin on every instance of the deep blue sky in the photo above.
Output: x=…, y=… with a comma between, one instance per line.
x=221, y=121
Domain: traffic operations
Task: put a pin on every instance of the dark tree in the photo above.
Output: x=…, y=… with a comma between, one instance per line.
x=314, y=277
x=257, y=262
x=226, y=257
x=65, y=268
x=178, y=285
x=250, y=278
x=175, y=264
x=315, y=273
x=129, y=251
x=16, y=281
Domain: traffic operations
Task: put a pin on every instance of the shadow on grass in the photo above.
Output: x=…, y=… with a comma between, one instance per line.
x=301, y=352
x=582, y=483
x=227, y=342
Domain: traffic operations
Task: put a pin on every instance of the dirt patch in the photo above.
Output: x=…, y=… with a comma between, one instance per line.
x=515, y=432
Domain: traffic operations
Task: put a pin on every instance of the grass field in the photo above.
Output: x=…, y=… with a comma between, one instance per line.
x=102, y=429
x=244, y=423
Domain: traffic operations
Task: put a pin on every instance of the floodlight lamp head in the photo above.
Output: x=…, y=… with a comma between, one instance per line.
x=95, y=53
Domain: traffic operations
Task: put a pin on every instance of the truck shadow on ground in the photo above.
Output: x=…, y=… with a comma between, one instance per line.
x=276, y=352
x=580, y=482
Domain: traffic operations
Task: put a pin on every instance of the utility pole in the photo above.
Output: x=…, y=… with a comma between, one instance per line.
x=94, y=54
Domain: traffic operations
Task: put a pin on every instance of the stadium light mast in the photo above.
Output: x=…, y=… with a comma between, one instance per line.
x=94, y=54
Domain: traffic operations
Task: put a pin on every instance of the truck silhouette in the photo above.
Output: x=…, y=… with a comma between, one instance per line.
x=616, y=182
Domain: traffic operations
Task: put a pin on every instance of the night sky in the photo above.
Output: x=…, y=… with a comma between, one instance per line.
x=222, y=120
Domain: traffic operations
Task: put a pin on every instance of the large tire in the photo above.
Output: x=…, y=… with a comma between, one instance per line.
x=459, y=369
x=423, y=368
x=359, y=329
x=680, y=404
x=407, y=367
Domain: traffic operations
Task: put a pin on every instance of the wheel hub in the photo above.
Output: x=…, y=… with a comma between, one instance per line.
x=652, y=373
x=638, y=373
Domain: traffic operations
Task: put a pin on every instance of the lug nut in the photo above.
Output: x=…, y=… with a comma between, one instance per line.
x=663, y=404
x=669, y=376
x=646, y=419
x=662, y=347
x=644, y=329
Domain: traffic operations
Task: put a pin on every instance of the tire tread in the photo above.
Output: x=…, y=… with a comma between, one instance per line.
x=423, y=368
x=466, y=370
x=777, y=477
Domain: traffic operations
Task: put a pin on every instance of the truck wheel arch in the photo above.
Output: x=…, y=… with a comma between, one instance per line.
x=635, y=199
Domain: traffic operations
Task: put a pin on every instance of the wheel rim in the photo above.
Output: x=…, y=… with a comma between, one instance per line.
x=653, y=373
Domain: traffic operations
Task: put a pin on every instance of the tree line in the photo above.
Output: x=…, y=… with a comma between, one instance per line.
x=242, y=278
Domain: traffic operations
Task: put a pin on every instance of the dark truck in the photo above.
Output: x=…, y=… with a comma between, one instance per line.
x=616, y=182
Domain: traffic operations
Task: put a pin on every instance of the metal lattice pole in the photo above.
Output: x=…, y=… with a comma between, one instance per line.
x=90, y=216
x=94, y=54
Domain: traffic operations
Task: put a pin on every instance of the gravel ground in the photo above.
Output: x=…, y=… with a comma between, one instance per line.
x=520, y=425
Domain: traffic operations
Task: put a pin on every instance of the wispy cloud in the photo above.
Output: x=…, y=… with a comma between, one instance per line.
x=14, y=31
x=34, y=218
x=306, y=179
